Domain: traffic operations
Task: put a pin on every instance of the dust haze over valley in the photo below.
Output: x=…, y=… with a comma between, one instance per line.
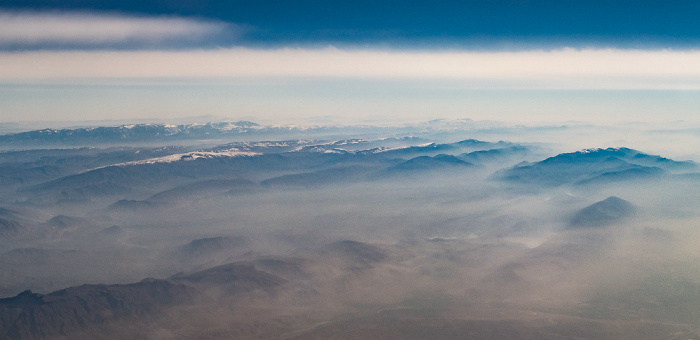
x=447, y=229
x=349, y=170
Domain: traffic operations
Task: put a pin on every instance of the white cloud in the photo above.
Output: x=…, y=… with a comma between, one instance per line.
x=35, y=28
x=567, y=68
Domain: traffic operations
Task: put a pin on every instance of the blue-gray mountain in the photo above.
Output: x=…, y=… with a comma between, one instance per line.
x=174, y=173
x=338, y=234
x=606, y=212
x=424, y=163
x=76, y=309
x=133, y=133
x=594, y=166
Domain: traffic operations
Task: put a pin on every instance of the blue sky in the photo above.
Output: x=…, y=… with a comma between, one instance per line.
x=289, y=61
x=503, y=24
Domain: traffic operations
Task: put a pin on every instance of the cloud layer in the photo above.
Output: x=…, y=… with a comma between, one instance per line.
x=40, y=29
x=566, y=68
x=64, y=46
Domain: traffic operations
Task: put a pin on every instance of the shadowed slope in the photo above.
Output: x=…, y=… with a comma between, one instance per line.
x=605, y=212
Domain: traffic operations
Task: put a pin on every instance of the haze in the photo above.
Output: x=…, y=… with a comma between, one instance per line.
x=314, y=170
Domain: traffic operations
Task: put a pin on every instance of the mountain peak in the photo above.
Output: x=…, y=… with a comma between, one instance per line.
x=606, y=212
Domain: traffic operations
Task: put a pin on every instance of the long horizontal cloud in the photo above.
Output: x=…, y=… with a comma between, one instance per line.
x=565, y=68
x=39, y=28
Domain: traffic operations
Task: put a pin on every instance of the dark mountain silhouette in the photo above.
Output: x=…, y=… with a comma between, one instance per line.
x=603, y=213
x=159, y=177
x=58, y=314
x=288, y=268
x=174, y=173
x=663, y=163
x=36, y=316
x=32, y=167
x=633, y=173
x=131, y=206
x=202, y=189
x=13, y=223
x=588, y=166
x=356, y=252
x=60, y=224
x=11, y=228
x=82, y=187
x=322, y=177
x=114, y=230
x=233, y=278
x=211, y=245
x=434, y=149
x=133, y=133
x=63, y=221
x=425, y=163
x=9, y=214
x=482, y=156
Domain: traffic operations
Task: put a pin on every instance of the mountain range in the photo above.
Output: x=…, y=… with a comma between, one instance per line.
x=59, y=314
x=594, y=166
x=252, y=232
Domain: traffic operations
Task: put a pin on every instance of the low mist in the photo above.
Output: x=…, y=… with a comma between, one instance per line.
x=436, y=236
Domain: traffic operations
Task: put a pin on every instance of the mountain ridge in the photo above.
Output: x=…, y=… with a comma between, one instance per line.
x=31, y=315
x=593, y=165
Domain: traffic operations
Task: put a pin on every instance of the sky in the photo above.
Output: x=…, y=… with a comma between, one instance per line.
x=349, y=62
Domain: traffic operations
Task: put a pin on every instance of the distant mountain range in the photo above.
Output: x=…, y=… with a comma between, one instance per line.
x=422, y=163
x=172, y=173
x=156, y=132
x=162, y=175
x=269, y=232
x=135, y=133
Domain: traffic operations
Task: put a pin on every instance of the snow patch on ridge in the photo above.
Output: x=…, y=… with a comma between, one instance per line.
x=185, y=157
x=191, y=156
